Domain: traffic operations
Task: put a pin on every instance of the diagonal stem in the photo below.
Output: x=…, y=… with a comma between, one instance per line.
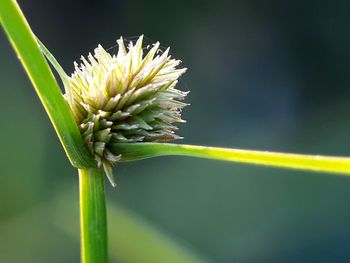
x=27, y=49
x=93, y=222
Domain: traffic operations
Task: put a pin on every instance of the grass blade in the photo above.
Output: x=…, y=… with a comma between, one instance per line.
x=54, y=63
x=25, y=44
x=318, y=163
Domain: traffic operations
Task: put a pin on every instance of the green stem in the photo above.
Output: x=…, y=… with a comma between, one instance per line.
x=25, y=44
x=329, y=164
x=93, y=220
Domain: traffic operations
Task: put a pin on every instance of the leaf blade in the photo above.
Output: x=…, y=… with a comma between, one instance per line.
x=25, y=44
x=316, y=163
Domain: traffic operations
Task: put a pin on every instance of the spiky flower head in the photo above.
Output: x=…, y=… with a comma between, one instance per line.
x=127, y=97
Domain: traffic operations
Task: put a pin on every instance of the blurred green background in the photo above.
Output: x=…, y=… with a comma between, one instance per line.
x=271, y=75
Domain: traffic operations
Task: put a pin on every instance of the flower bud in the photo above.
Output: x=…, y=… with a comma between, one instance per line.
x=128, y=97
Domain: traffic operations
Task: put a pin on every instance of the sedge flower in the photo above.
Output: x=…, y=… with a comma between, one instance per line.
x=127, y=97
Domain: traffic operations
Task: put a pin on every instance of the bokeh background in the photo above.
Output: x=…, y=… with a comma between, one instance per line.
x=271, y=75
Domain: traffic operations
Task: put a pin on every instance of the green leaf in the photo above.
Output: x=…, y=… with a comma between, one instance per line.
x=317, y=163
x=54, y=63
x=25, y=44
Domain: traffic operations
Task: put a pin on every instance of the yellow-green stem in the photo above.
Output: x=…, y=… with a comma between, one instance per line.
x=93, y=221
x=317, y=163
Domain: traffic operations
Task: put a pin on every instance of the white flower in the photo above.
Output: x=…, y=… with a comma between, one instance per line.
x=128, y=97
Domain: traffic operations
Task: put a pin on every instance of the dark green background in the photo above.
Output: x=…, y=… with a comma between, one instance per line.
x=271, y=75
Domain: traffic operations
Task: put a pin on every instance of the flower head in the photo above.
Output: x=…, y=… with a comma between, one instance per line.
x=128, y=97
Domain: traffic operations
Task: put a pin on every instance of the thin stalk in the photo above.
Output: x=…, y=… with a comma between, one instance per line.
x=93, y=222
x=318, y=163
x=25, y=44
x=54, y=63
